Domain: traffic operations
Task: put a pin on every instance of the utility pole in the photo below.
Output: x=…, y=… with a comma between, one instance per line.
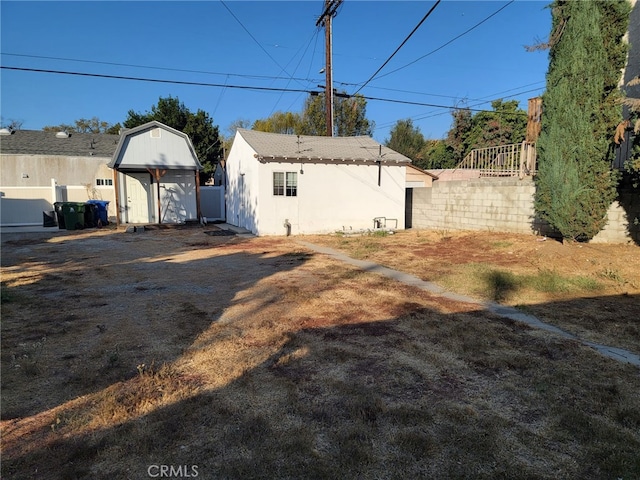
x=330, y=7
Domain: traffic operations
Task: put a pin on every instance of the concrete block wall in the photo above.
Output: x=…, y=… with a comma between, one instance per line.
x=506, y=205
x=477, y=204
x=624, y=220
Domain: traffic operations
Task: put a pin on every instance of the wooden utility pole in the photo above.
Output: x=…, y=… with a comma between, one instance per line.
x=330, y=7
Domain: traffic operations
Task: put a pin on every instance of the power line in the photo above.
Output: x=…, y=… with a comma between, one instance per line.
x=156, y=80
x=151, y=67
x=450, y=41
x=401, y=45
x=254, y=39
x=240, y=87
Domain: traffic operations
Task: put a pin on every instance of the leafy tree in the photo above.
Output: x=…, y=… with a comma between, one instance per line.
x=505, y=124
x=426, y=154
x=279, y=122
x=349, y=113
x=575, y=186
x=407, y=140
x=198, y=126
x=84, y=125
x=436, y=154
x=350, y=118
x=457, y=140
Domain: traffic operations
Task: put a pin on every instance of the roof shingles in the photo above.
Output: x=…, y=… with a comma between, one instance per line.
x=281, y=147
x=37, y=142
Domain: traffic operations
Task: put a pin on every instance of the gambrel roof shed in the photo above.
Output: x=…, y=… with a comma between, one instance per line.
x=156, y=164
x=138, y=150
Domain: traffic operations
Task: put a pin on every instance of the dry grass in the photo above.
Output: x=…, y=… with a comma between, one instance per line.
x=590, y=290
x=257, y=359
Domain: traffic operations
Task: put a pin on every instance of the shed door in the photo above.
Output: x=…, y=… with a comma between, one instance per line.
x=138, y=186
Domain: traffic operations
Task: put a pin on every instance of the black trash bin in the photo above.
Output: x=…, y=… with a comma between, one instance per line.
x=90, y=215
x=59, y=215
x=48, y=218
x=102, y=215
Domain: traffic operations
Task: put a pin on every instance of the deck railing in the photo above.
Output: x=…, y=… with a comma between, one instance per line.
x=515, y=160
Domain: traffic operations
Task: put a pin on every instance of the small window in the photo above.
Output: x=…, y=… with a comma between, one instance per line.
x=104, y=182
x=278, y=183
x=285, y=184
x=292, y=184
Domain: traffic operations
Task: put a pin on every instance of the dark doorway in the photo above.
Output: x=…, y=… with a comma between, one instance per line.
x=408, y=208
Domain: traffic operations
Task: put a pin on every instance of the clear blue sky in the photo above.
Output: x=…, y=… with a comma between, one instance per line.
x=266, y=44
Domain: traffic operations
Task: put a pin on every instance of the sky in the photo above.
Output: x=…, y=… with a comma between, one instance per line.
x=245, y=60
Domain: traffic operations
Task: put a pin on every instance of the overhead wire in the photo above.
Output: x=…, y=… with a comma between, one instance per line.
x=450, y=41
x=400, y=46
x=219, y=85
x=151, y=67
x=255, y=40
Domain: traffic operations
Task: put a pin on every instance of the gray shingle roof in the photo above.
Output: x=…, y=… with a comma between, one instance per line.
x=294, y=148
x=38, y=142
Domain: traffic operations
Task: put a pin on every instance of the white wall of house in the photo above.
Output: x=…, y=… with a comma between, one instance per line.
x=329, y=197
x=26, y=185
x=38, y=170
x=242, y=189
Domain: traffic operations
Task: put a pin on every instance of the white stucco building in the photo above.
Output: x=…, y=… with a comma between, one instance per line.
x=288, y=184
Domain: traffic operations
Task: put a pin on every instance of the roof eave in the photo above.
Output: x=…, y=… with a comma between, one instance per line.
x=340, y=160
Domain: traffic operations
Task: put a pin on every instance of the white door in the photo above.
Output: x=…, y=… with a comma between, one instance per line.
x=138, y=189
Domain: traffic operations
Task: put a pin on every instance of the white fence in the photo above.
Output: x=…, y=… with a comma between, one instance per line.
x=212, y=204
x=24, y=206
x=515, y=160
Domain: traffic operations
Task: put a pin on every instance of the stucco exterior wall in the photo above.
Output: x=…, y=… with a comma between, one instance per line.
x=329, y=196
x=38, y=170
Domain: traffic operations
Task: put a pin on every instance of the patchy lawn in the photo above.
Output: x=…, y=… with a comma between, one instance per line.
x=591, y=290
x=255, y=358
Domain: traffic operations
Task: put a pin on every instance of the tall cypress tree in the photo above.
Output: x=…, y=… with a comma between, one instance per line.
x=575, y=185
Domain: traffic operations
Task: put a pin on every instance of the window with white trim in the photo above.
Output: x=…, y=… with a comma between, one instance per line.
x=285, y=184
x=104, y=182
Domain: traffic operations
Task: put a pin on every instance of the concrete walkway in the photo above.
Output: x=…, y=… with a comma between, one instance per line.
x=618, y=354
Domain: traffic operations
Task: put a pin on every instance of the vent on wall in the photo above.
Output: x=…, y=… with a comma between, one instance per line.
x=155, y=133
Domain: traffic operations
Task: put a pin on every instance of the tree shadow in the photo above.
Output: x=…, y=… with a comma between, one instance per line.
x=84, y=311
x=420, y=394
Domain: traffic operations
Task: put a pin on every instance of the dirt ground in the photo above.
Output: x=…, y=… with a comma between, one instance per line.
x=106, y=333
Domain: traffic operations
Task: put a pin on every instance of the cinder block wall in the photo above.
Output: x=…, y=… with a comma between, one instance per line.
x=506, y=205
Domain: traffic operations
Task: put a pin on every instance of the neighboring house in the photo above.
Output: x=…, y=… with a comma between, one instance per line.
x=39, y=168
x=416, y=178
x=157, y=179
x=286, y=184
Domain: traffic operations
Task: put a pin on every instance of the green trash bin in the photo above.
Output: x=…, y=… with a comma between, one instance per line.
x=73, y=213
